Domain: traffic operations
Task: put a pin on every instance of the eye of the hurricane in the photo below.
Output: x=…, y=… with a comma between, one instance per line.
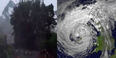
x=80, y=34
x=75, y=39
x=79, y=38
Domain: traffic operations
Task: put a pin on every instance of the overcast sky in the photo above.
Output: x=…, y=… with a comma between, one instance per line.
x=3, y=3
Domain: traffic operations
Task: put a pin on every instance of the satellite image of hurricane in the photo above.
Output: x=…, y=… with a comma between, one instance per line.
x=86, y=29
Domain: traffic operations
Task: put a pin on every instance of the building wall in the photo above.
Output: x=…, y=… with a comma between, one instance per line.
x=8, y=9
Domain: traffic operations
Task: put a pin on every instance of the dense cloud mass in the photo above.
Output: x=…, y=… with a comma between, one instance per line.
x=83, y=27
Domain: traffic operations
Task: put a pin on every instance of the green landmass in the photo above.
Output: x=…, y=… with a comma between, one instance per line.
x=112, y=43
x=101, y=42
x=100, y=46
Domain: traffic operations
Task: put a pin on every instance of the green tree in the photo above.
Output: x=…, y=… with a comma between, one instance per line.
x=31, y=23
x=51, y=45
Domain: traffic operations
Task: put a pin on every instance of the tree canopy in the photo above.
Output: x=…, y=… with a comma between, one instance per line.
x=32, y=21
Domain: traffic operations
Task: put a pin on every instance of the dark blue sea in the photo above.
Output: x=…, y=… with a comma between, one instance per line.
x=93, y=55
